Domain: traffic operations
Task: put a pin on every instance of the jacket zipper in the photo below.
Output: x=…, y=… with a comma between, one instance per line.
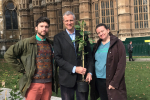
x=24, y=87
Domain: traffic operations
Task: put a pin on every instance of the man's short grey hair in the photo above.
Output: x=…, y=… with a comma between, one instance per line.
x=69, y=13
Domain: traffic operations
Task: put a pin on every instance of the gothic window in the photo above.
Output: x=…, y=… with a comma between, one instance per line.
x=75, y=10
x=96, y=13
x=141, y=13
x=107, y=13
x=11, y=16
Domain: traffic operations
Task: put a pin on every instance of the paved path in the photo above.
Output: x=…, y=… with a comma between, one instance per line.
x=2, y=95
x=139, y=59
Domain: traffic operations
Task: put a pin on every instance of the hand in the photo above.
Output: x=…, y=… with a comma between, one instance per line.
x=80, y=70
x=110, y=87
x=88, y=77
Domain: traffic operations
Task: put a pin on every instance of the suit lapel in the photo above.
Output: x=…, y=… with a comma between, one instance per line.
x=67, y=37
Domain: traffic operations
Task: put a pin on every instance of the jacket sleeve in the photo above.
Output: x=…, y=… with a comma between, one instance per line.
x=12, y=56
x=58, y=56
x=120, y=71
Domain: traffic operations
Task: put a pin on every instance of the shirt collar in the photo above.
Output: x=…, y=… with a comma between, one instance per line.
x=69, y=33
x=39, y=39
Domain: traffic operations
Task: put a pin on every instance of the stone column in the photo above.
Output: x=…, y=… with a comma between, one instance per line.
x=36, y=10
x=51, y=14
x=124, y=16
x=85, y=13
x=44, y=8
x=25, y=20
x=31, y=19
x=59, y=15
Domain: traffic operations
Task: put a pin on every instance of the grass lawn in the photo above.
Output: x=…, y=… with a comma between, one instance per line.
x=137, y=79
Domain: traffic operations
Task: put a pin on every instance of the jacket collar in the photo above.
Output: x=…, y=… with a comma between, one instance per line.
x=113, y=40
x=33, y=40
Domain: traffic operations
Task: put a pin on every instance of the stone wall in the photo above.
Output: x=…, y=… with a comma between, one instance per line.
x=29, y=12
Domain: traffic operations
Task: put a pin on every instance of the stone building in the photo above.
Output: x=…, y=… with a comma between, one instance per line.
x=126, y=18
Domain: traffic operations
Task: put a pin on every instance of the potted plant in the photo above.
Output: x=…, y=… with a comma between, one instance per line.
x=82, y=85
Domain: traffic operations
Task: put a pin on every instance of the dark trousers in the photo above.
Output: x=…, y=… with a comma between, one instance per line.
x=130, y=56
x=68, y=93
x=101, y=87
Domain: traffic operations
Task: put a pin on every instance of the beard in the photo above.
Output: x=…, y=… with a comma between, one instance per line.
x=42, y=35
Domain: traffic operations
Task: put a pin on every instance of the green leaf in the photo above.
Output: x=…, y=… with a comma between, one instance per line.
x=81, y=33
x=77, y=27
x=91, y=40
x=79, y=22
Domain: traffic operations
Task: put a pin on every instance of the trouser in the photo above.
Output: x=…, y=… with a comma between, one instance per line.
x=68, y=93
x=39, y=91
x=130, y=56
x=101, y=87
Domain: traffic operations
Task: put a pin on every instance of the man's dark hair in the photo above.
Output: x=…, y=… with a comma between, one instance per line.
x=42, y=19
x=101, y=24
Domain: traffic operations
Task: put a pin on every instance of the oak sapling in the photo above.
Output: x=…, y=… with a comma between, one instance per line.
x=82, y=40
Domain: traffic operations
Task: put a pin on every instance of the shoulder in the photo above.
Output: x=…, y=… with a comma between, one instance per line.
x=115, y=39
x=120, y=43
x=27, y=41
x=24, y=41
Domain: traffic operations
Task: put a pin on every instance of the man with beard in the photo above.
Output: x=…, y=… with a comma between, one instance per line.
x=34, y=58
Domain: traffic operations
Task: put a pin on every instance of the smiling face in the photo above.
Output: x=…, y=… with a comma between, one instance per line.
x=102, y=32
x=69, y=22
x=42, y=29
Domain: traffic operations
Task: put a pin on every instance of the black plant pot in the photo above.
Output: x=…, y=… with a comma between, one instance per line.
x=82, y=86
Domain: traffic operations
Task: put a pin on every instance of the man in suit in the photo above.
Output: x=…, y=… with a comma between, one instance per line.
x=70, y=64
x=130, y=51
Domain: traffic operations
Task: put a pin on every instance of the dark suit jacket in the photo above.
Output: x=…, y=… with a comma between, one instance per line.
x=129, y=48
x=66, y=57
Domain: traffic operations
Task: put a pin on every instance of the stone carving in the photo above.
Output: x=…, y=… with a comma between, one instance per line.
x=43, y=2
x=30, y=6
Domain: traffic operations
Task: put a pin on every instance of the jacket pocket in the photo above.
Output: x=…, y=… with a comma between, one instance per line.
x=22, y=83
x=27, y=61
x=115, y=94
